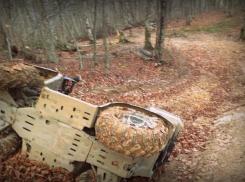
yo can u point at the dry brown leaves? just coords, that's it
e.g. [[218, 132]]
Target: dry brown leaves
[[19, 168], [193, 138]]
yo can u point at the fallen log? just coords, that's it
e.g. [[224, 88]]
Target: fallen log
[[19, 76]]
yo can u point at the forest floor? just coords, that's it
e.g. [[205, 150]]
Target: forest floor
[[203, 83]]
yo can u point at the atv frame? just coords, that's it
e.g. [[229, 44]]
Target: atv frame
[[59, 130]]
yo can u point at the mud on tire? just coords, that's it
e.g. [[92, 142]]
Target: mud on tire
[[131, 132]]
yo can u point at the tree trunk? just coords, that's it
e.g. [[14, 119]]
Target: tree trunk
[[62, 25], [193, 9], [231, 7], [76, 31], [188, 12], [90, 35], [104, 26], [160, 30], [77, 47], [148, 45], [225, 3], [9, 49], [50, 51], [118, 6], [129, 22], [242, 35], [95, 21], [3, 33], [33, 18]]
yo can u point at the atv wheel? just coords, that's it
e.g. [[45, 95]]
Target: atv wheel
[[131, 132]]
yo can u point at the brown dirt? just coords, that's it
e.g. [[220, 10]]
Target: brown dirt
[[222, 60], [223, 157]]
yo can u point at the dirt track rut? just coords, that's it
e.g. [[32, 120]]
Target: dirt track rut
[[224, 156]]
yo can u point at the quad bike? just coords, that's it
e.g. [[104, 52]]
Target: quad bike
[[117, 140]]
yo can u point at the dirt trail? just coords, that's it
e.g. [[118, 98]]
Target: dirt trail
[[223, 158], [206, 89], [206, 86], [203, 82]]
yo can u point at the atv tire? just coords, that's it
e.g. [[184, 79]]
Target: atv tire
[[127, 138]]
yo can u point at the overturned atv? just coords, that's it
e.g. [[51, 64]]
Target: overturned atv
[[116, 140]]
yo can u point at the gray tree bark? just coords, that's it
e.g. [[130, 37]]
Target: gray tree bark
[[188, 8], [147, 45], [3, 33], [104, 25], [160, 30], [89, 30], [242, 35], [33, 18], [50, 51], [77, 47], [62, 24], [9, 49], [129, 21], [95, 41], [231, 7]]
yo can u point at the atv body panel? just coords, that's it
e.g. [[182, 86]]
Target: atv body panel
[[60, 131]]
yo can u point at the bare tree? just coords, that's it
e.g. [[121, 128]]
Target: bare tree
[[188, 9], [5, 30], [225, 3], [104, 27], [242, 35], [62, 23], [193, 9], [3, 33], [77, 47], [129, 21], [118, 8], [231, 7], [94, 32], [50, 50], [147, 44], [162, 4], [40, 23], [90, 35], [33, 18]]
